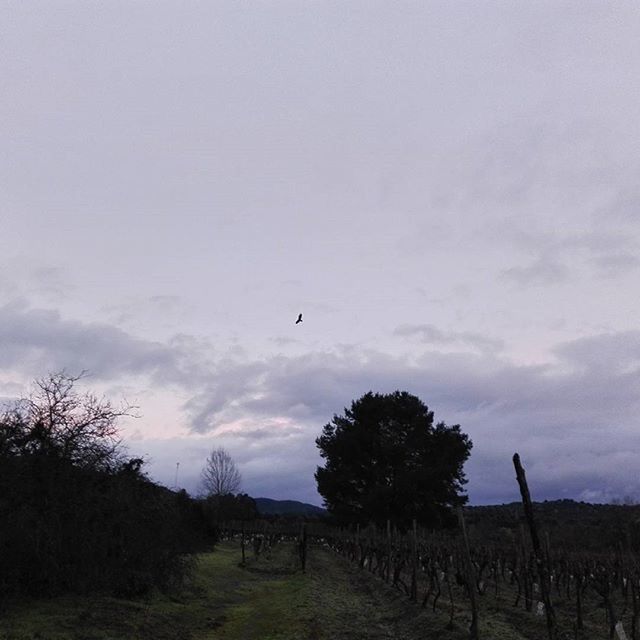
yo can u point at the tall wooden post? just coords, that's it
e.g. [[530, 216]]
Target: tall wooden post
[[527, 582], [470, 578], [303, 547], [537, 550], [388, 568], [242, 544], [414, 562]]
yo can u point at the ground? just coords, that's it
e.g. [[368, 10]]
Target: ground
[[268, 599]]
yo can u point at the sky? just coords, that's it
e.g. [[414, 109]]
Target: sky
[[448, 191]]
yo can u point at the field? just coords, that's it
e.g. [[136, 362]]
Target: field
[[268, 599]]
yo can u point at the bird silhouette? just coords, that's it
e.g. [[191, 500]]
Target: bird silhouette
[[299, 320]]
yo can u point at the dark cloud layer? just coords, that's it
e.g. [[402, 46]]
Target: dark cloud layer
[[570, 420], [573, 420], [39, 340]]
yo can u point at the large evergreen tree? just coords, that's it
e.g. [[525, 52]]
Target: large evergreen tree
[[385, 459]]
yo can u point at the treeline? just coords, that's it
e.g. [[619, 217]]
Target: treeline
[[76, 514], [571, 525]]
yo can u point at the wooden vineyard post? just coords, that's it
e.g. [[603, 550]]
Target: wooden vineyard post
[[579, 581], [303, 547], [547, 548], [471, 583], [388, 568], [636, 609], [242, 543], [541, 564], [527, 582], [414, 563]]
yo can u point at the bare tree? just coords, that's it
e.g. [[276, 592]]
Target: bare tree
[[56, 420], [220, 475]]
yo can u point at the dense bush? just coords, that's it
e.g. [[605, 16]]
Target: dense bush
[[75, 513]]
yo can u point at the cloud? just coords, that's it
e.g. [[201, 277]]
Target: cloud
[[606, 254], [572, 419], [622, 205], [591, 374], [541, 272], [613, 265], [606, 354], [40, 340], [555, 415], [305, 387], [430, 334], [133, 310], [284, 341], [268, 468], [29, 278]]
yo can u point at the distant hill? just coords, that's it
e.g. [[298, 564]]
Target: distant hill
[[269, 507]]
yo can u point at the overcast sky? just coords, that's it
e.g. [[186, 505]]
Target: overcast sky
[[448, 191]]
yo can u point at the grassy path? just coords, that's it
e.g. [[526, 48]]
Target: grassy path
[[269, 599]]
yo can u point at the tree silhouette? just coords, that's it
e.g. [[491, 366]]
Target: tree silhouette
[[58, 421], [220, 475], [385, 459]]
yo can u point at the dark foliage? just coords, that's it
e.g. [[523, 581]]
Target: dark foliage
[[223, 508], [75, 513], [570, 525], [385, 459]]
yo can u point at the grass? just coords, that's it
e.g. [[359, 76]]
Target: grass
[[221, 600], [270, 599]]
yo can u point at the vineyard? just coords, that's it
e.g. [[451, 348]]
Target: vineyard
[[540, 591], [509, 572]]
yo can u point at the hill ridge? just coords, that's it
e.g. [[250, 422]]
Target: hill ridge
[[271, 506]]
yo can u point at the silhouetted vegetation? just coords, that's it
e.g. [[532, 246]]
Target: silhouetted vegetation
[[220, 475], [571, 525], [222, 508], [75, 513], [386, 460]]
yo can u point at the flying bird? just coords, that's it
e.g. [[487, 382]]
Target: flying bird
[[299, 320]]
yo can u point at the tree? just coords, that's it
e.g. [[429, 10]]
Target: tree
[[57, 421], [220, 475], [385, 459]]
